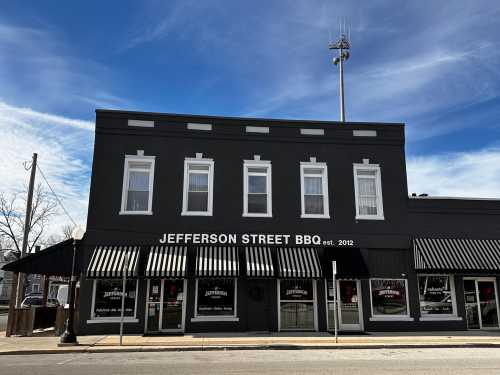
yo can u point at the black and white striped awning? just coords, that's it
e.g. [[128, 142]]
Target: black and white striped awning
[[299, 262], [456, 254], [259, 262], [167, 261], [217, 261], [109, 262]]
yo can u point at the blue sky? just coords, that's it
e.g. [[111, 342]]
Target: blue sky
[[432, 65]]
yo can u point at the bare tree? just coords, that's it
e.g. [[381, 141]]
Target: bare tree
[[66, 233], [12, 218]]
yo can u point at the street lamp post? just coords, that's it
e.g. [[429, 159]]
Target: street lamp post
[[69, 337]]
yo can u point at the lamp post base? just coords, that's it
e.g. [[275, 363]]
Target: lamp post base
[[68, 338]]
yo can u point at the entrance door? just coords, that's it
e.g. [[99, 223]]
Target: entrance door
[[481, 304], [349, 305], [165, 305], [258, 305]]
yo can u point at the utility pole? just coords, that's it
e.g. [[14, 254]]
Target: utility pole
[[27, 224], [17, 288], [343, 45]]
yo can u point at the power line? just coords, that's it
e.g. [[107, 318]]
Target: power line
[[55, 195]]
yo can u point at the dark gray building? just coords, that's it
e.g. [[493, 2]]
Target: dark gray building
[[232, 224]]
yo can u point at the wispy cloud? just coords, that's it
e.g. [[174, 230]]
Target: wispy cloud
[[466, 174], [63, 146]]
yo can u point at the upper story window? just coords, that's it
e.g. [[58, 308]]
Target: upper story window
[[198, 186], [257, 197], [138, 176], [368, 191], [314, 190]]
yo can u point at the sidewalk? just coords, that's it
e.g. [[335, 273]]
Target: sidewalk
[[248, 341]]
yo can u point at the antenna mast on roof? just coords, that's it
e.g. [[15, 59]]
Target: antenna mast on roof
[[343, 45]]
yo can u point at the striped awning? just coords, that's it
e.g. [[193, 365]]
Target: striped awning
[[217, 261], [109, 262], [298, 262], [259, 262], [167, 261], [456, 254]]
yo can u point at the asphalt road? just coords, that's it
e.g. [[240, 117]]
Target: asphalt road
[[350, 361]]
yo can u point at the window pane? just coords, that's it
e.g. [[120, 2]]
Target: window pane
[[139, 165], [366, 172], [138, 181], [435, 295], [313, 204], [137, 200], [257, 184], [257, 170], [297, 315], [313, 185], [367, 205], [197, 201], [198, 182], [389, 297], [108, 298], [257, 203], [367, 186], [198, 167], [296, 290], [215, 297], [313, 171]]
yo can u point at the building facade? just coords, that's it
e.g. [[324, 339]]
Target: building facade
[[232, 224]]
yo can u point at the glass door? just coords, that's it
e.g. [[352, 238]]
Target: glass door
[[349, 305], [165, 305], [488, 309], [481, 305]]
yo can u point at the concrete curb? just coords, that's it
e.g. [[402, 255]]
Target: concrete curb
[[146, 349]]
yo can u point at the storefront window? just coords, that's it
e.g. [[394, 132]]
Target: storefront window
[[435, 292], [389, 297], [108, 298], [216, 297], [296, 304]]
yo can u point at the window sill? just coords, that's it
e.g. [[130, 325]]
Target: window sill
[[201, 213], [435, 318], [257, 215], [392, 318], [306, 216], [369, 218], [215, 319], [113, 320], [135, 213]]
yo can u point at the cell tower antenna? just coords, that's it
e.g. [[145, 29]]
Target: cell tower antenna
[[343, 45]]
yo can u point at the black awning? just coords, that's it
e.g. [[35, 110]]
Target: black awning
[[167, 262], [456, 254], [55, 260], [350, 263], [215, 261], [110, 262], [259, 262], [299, 262]]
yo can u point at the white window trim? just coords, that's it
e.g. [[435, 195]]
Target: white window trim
[[126, 169], [198, 161], [434, 317], [395, 317], [126, 319], [257, 163], [314, 301], [324, 183], [216, 318], [378, 183]]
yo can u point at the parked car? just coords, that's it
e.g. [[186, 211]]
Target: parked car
[[37, 300]]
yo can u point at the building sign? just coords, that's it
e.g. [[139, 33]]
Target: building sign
[[291, 290], [254, 239]]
